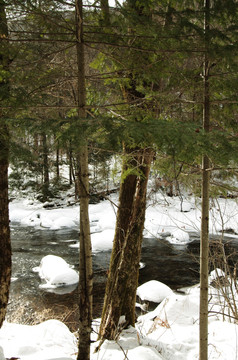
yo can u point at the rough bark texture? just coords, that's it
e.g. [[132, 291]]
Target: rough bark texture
[[123, 274], [85, 253], [204, 242], [5, 245]]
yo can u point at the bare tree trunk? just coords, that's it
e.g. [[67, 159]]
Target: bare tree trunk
[[204, 242], [85, 252], [120, 295], [46, 179], [57, 169], [5, 244]]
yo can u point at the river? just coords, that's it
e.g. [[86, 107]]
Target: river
[[176, 266]]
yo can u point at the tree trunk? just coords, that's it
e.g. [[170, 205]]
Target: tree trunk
[[204, 242], [71, 166], [46, 179], [120, 295], [105, 12], [57, 169], [85, 252], [5, 244]]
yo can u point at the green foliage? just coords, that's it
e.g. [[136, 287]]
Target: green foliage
[[144, 80]]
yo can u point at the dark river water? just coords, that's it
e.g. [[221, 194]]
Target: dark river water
[[176, 266]]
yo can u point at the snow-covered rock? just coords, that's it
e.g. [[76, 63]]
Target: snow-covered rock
[[62, 222], [56, 272], [102, 241], [179, 237], [154, 291]]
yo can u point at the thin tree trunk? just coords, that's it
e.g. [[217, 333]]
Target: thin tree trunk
[[71, 166], [85, 252], [57, 179], [46, 179], [5, 244], [204, 242]]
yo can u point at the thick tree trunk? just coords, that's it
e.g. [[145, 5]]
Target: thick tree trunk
[[123, 275], [85, 255], [122, 281], [5, 245], [204, 242]]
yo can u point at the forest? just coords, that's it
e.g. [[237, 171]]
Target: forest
[[122, 105]]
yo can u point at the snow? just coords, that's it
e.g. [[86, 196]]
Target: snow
[[171, 331], [56, 272], [179, 237], [162, 215], [153, 291], [1, 354], [48, 340], [216, 273]]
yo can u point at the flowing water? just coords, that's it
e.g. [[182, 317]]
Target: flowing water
[[175, 265]]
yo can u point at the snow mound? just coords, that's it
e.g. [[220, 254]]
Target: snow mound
[[56, 272], [144, 353], [178, 237], [62, 222], [216, 274], [176, 309], [48, 340], [153, 291], [102, 241]]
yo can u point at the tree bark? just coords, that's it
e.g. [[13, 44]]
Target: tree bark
[[85, 252], [5, 244], [46, 179], [105, 12], [120, 295], [204, 241], [57, 168]]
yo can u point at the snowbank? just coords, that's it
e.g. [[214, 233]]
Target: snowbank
[[154, 291], [163, 214], [170, 332], [46, 341], [56, 272]]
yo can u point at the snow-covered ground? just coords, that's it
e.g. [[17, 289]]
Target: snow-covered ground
[[171, 331]]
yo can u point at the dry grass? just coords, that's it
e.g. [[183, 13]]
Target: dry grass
[[23, 314]]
